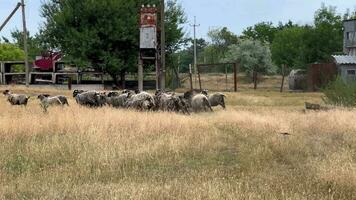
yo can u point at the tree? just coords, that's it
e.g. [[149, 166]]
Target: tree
[[221, 39], [104, 34], [186, 56], [327, 36], [287, 50], [33, 43], [253, 56], [263, 32], [10, 52]]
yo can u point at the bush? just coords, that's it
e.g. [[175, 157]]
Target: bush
[[340, 93]]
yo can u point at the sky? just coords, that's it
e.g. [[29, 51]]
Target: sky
[[234, 14]]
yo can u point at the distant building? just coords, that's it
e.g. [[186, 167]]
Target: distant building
[[350, 37], [346, 64]]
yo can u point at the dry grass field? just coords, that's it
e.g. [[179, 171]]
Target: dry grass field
[[80, 153]]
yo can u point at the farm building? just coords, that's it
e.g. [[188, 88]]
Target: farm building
[[346, 64]]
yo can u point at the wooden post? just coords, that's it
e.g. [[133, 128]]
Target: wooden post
[[199, 78], [140, 74], [226, 78], [235, 77], [191, 76], [163, 49], [69, 83], [25, 42], [283, 75]]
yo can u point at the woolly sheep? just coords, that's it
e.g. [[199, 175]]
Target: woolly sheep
[[90, 98], [170, 102], [49, 101], [141, 101], [200, 102], [63, 99], [217, 99], [118, 101], [16, 99]]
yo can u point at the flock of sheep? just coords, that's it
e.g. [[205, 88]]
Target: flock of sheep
[[190, 101]]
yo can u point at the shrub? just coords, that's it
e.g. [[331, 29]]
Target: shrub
[[340, 93]]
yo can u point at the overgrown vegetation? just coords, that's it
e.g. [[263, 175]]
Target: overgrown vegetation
[[340, 93]]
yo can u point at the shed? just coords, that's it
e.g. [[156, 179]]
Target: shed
[[346, 66]]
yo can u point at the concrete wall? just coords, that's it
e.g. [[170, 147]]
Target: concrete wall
[[350, 44], [343, 72]]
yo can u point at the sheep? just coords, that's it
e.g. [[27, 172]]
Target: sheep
[[200, 102], [140, 101], [217, 99], [170, 102], [63, 99], [16, 99], [118, 101], [49, 101], [90, 98], [188, 96], [76, 92]]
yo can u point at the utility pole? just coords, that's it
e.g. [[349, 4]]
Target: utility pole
[[163, 49], [195, 25], [25, 42]]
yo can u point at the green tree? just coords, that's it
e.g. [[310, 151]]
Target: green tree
[[104, 34], [263, 32], [186, 56], [327, 36], [33, 43], [10, 52], [287, 50], [221, 39], [253, 56]]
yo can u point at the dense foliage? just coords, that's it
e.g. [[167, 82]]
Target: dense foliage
[[253, 57], [104, 34], [10, 52]]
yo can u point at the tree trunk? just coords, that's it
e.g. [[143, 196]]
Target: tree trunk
[[283, 75], [114, 78], [122, 79], [176, 72], [254, 80]]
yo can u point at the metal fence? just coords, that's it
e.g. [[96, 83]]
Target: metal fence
[[217, 77]]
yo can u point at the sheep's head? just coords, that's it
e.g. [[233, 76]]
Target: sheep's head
[[205, 92], [41, 97], [113, 94], [76, 92], [6, 92]]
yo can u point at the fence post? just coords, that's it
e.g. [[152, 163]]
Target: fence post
[[69, 83], [190, 76], [235, 77], [199, 77]]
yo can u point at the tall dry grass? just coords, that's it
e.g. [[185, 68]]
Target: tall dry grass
[[80, 153]]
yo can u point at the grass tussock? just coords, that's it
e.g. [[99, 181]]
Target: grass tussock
[[80, 153]]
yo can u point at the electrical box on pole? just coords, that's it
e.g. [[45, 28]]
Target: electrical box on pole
[[148, 42]]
